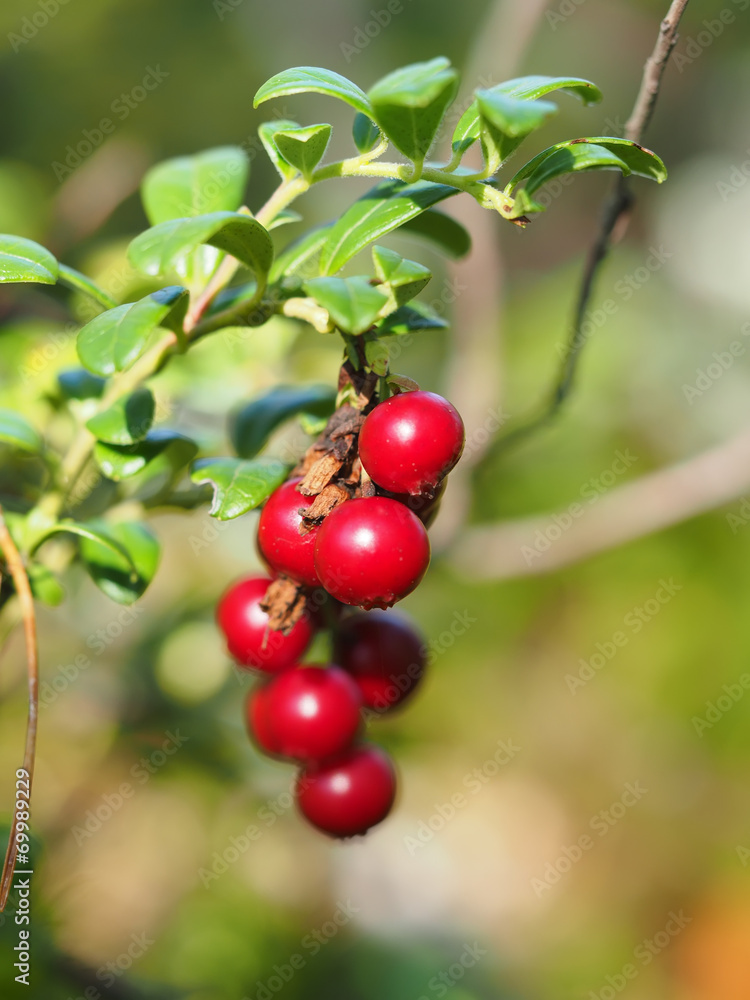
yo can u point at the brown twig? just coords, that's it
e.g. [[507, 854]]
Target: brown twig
[[615, 217], [17, 570]]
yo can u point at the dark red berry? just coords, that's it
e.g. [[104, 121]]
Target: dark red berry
[[307, 713], [256, 714], [425, 506], [410, 442], [347, 796], [371, 552], [279, 539], [245, 628], [384, 655]]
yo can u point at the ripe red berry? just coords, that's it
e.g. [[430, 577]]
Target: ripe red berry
[[307, 713], [245, 628], [384, 655], [424, 506], [279, 539], [347, 796], [371, 552], [410, 442], [258, 725]]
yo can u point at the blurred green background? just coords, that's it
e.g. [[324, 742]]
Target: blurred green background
[[490, 897]]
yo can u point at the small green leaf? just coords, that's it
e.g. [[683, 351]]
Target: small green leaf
[[88, 531], [365, 133], [128, 421], [284, 218], [24, 260], [158, 249], [123, 461], [404, 279], [303, 148], [413, 318], [239, 485], [44, 585], [409, 104], [505, 122], [211, 181], [77, 383], [298, 256], [377, 356], [252, 426], [383, 209], [267, 131], [115, 339], [121, 579], [312, 79], [442, 230], [16, 431], [352, 303]]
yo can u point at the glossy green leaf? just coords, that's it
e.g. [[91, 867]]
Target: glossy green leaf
[[416, 317], [442, 230], [252, 425], [298, 257], [44, 584], [128, 421], [284, 218], [403, 279], [312, 79], [16, 431], [158, 249], [377, 355], [123, 461], [383, 209], [504, 122], [25, 260], [115, 339], [409, 104], [211, 181], [81, 283], [77, 383], [365, 133], [121, 579], [303, 148], [239, 484], [352, 303], [266, 132], [88, 531]]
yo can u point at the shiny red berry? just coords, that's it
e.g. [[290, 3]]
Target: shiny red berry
[[279, 539], [306, 713], [384, 655], [245, 628], [371, 552], [258, 725], [347, 796], [411, 441]]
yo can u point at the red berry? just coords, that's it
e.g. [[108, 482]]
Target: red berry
[[347, 796], [411, 441], [371, 552], [307, 713], [384, 654], [256, 713], [245, 628], [279, 539], [426, 507]]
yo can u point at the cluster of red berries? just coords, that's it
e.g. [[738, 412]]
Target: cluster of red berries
[[369, 552]]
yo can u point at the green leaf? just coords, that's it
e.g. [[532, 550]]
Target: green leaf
[[440, 229], [409, 104], [312, 79], [121, 579], [88, 531], [267, 131], [77, 383], [252, 426], [299, 254], [44, 584], [77, 282], [211, 181], [404, 279], [303, 148], [383, 209], [24, 260], [123, 461], [115, 339], [284, 218], [377, 356], [128, 421], [239, 485], [17, 432], [505, 122], [413, 318], [352, 303], [160, 248], [528, 88], [365, 133]]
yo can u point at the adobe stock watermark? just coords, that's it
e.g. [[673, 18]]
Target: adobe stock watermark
[[224, 7], [714, 28], [740, 518], [591, 492], [633, 623], [743, 853], [32, 24], [739, 174], [716, 710], [562, 12], [600, 824], [442, 984], [643, 956], [473, 782], [364, 34], [707, 377], [121, 108]]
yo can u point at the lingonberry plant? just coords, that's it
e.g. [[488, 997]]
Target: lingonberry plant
[[342, 525]]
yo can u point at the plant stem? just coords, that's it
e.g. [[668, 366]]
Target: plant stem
[[71, 278]]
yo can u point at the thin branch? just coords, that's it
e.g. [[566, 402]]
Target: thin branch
[[614, 222], [17, 571], [540, 544]]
